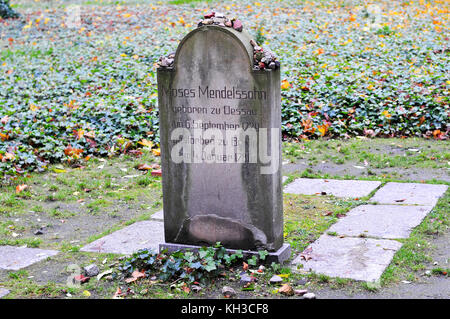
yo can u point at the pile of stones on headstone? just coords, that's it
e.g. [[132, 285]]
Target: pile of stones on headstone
[[221, 20], [262, 58], [166, 61]]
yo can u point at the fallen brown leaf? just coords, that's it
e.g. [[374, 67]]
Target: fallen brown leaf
[[144, 167], [135, 276], [20, 188], [156, 173]]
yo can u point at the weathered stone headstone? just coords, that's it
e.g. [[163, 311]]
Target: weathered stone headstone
[[220, 134]]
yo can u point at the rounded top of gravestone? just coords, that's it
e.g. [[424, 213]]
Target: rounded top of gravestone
[[213, 31], [214, 34]]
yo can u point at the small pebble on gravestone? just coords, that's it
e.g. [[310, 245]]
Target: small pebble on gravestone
[[91, 270], [237, 25]]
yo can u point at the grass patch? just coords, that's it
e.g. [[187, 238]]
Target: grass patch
[[376, 153], [414, 255], [308, 217]]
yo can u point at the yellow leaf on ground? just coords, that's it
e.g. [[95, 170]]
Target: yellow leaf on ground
[[323, 129], [386, 113], [285, 85], [8, 156], [80, 133], [20, 188], [4, 137], [146, 143], [156, 152]]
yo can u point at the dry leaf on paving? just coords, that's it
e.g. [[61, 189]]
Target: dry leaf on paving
[[306, 254]]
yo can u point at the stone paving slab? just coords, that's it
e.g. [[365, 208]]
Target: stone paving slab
[[140, 235], [338, 188], [409, 193], [3, 292], [158, 215], [15, 258], [362, 259], [381, 221]]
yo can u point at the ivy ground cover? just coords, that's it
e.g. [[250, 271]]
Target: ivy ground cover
[[78, 78]]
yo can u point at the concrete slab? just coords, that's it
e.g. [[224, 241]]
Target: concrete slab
[[409, 193], [158, 215], [362, 259], [338, 188], [381, 221], [15, 258], [140, 235], [3, 292]]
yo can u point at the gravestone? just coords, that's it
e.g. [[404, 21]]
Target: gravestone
[[220, 121]]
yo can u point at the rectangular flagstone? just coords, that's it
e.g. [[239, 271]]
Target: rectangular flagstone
[[409, 193], [362, 259], [141, 235], [3, 292], [381, 221], [15, 258], [158, 215], [338, 188]]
